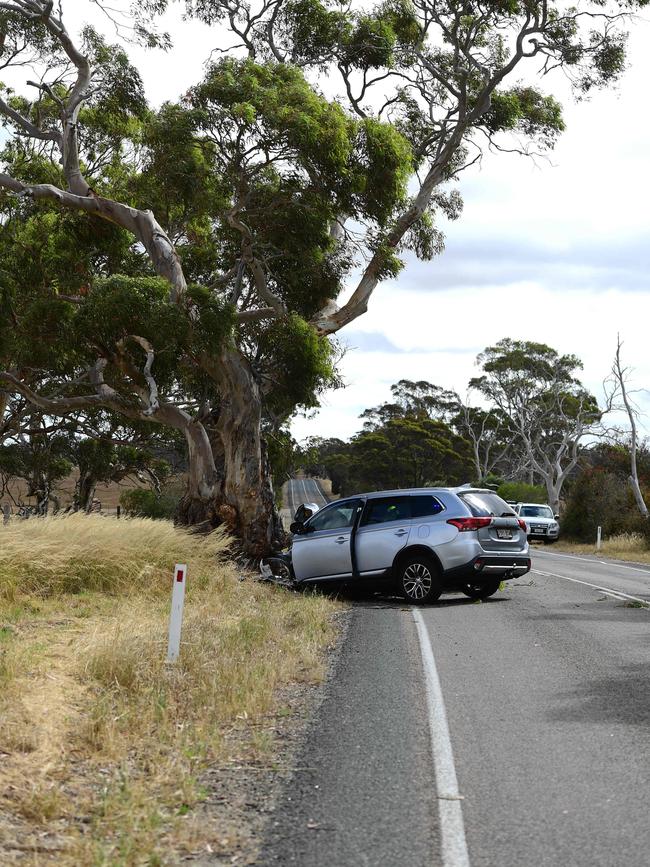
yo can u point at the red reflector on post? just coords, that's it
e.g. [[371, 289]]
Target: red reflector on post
[[463, 525], [180, 575]]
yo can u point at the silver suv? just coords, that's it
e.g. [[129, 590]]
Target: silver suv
[[426, 540], [541, 523]]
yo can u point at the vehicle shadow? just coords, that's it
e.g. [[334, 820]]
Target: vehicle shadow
[[385, 599]]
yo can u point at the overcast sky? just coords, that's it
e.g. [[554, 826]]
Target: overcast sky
[[557, 253]]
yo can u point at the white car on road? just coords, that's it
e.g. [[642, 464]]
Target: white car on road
[[541, 523]]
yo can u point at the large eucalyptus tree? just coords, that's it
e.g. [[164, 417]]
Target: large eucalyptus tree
[[547, 410], [217, 232]]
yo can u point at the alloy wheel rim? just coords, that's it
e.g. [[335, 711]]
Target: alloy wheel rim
[[417, 581]]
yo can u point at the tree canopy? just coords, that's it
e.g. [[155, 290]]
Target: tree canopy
[[182, 265]]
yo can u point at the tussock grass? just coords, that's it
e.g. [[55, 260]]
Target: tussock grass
[[86, 698], [79, 552], [624, 546]]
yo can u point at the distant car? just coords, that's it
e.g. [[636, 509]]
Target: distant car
[[425, 541], [541, 523]]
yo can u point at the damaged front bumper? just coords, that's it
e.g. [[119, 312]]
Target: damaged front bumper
[[277, 569]]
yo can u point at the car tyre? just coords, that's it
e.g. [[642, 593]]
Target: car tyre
[[418, 579], [550, 541], [481, 591]]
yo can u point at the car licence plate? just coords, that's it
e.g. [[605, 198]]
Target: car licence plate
[[504, 534]]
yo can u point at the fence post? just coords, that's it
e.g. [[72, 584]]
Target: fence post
[[598, 539], [6, 513], [176, 616]]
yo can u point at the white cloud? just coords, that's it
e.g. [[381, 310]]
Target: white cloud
[[437, 336]]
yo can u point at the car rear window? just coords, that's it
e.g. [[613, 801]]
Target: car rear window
[[424, 506], [483, 504]]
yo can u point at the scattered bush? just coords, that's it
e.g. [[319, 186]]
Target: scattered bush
[[521, 492], [145, 503], [599, 498]]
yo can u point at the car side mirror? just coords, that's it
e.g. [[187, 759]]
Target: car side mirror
[[297, 527], [303, 512]]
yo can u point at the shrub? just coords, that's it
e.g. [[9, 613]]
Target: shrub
[[599, 498], [521, 492], [144, 503]]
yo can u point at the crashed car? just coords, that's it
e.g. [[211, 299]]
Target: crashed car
[[423, 542]]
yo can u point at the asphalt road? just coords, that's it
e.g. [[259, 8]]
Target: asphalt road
[[304, 491], [545, 693]]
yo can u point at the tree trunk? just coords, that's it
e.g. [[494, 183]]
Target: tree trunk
[[248, 504], [199, 506], [553, 492], [84, 491]]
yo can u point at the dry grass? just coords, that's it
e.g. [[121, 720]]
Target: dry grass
[[625, 546], [113, 741], [89, 552]]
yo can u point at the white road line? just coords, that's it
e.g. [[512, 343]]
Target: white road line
[[316, 492], [593, 560], [452, 828], [611, 592]]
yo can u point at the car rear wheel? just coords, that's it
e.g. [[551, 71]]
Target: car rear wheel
[[481, 591], [418, 579]]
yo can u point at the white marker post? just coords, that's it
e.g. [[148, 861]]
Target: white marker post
[[598, 538], [176, 616]]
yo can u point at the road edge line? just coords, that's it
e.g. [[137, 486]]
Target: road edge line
[[617, 564], [452, 827], [619, 594]]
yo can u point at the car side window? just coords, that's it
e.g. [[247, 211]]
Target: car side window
[[425, 506], [384, 509], [335, 517]]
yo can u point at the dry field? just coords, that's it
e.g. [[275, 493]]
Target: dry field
[[105, 752], [626, 546], [107, 492]]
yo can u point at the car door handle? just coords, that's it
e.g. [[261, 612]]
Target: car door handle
[[341, 540], [401, 532]]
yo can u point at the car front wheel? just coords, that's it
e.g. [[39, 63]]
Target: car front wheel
[[418, 580], [481, 591]]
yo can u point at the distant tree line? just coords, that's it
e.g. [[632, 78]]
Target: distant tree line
[[523, 423]]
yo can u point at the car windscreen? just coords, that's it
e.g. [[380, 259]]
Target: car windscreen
[[484, 503], [536, 512]]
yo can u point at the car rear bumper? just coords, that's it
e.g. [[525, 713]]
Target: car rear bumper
[[487, 568]]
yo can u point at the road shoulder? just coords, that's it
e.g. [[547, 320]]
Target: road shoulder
[[363, 790]]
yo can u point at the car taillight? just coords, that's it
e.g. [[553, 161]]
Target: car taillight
[[463, 525], [522, 524]]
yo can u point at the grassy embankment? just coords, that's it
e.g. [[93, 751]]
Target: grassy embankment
[[625, 546], [102, 746]]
